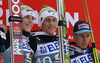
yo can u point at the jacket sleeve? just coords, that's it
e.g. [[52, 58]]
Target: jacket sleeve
[[32, 43], [4, 40]]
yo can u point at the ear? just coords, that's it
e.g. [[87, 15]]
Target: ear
[[74, 35]]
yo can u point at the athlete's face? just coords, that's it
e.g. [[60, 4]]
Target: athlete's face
[[82, 39], [27, 23], [49, 25]]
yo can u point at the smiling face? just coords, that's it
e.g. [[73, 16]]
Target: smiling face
[[27, 23], [82, 39], [49, 25]]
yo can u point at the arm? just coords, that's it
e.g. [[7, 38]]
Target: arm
[[3, 29], [4, 38], [32, 43]]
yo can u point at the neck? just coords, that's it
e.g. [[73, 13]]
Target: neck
[[26, 33]]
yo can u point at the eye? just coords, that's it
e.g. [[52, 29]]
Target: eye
[[26, 16], [54, 20], [33, 18], [81, 35], [88, 35], [48, 20]]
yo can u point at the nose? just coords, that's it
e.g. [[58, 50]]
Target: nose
[[51, 22], [85, 39], [30, 20]]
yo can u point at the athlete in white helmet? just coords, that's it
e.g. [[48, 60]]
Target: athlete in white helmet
[[27, 24], [47, 44]]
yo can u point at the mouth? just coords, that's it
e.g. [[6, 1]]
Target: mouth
[[84, 44], [52, 28], [28, 25]]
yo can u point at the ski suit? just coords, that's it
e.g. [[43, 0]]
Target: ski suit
[[78, 55], [28, 52], [47, 48]]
